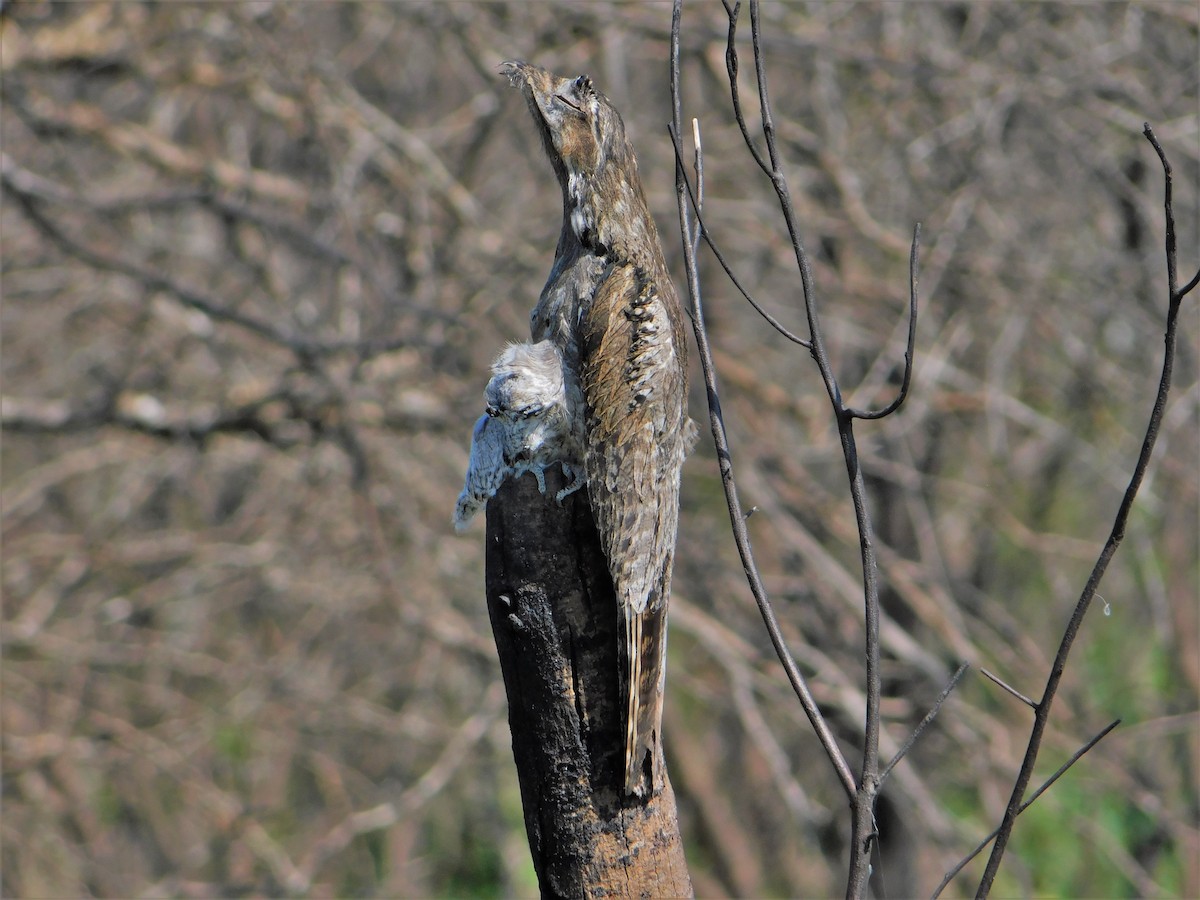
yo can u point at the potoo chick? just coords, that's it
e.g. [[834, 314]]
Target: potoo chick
[[525, 429], [610, 308]]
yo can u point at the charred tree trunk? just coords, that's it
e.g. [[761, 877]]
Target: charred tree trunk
[[554, 617]]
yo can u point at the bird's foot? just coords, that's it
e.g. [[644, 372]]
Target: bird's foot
[[576, 480]]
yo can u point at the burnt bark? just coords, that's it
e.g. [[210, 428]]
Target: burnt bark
[[554, 617]]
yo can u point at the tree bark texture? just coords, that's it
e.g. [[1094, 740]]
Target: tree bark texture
[[554, 617]]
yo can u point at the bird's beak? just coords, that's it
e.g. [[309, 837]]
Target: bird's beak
[[513, 69], [518, 72], [533, 81]]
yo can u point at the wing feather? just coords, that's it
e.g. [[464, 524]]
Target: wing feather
[[632, 380]]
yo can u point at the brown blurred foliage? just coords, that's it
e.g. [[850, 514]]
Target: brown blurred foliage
[[257, 257]]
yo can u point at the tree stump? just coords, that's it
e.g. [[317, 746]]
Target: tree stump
[[554, 617]]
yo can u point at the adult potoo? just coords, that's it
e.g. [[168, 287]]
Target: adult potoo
[[610, 307]]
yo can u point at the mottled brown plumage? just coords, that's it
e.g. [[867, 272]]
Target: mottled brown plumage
[[609, 305]]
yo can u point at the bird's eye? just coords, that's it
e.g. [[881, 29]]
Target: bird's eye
[[569, 103]]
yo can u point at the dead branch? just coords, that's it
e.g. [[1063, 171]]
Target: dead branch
[[1175, 295], [864, 790], [552, 607]]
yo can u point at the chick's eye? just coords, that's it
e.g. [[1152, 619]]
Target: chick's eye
[[569, 103]]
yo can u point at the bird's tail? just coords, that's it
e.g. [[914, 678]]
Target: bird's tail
[[643, 671]]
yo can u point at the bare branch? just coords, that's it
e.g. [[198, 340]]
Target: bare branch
[[1032, 704], [1042, 714], [1176, 293], [863, 837], [1190, 286], [764, 102], [725, 458], [698, 165], [32, 191], [924, 723], [152, 280], [867, 785], [1062, 770], [142, 414], [913, 255], [702, 230], [731, 67]]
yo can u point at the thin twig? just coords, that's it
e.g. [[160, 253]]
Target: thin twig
[[1042, 715], [913, 258], [924, 723], [1000, 682], [1176, 293], [698, 200], [764, 102], [779, 183], [731, 67], [1062, 770], [703, 231]]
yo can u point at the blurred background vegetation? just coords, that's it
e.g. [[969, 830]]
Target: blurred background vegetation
[[257, 257]]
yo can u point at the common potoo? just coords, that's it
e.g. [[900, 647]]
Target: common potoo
[[611, 309], [525, 429]]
